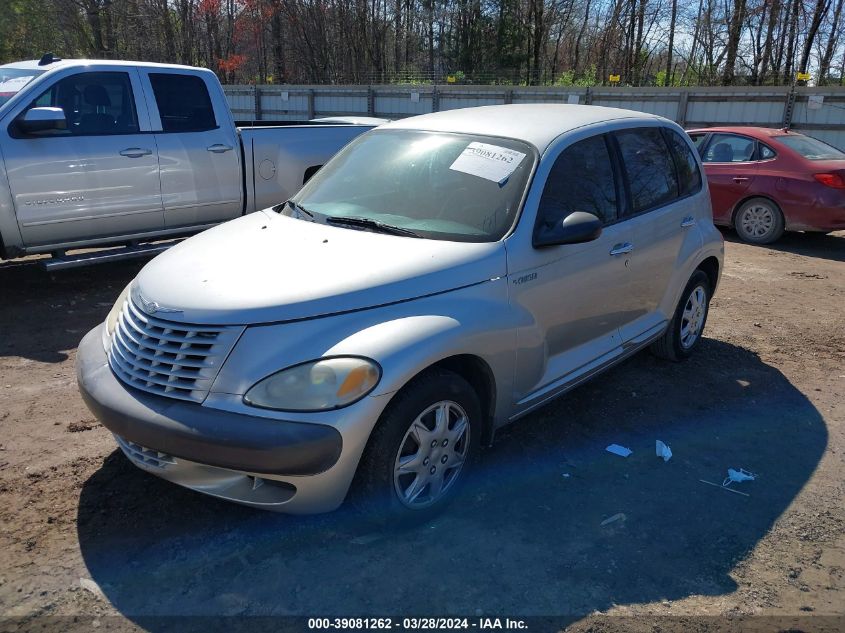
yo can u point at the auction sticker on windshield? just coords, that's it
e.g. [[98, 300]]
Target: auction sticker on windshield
[[492, 162]]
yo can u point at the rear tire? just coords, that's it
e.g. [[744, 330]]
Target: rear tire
[[421, 450], [684, 332], [759, 221]]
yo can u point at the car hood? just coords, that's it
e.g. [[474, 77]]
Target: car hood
[[265, 267]]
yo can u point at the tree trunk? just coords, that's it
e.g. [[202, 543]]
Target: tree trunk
[[767, 46], [734, 34], [827, 56], [667, 80], [821, 8]]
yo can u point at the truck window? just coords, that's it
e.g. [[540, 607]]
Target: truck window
[[183, 103], [94, 104]]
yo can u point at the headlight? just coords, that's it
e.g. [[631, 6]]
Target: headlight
[[318, 385], [117, 308]]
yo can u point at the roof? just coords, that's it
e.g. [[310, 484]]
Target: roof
[[32, 64], [748, 130], [538, 124]]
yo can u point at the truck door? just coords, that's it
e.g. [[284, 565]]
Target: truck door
[[199, 150], [98, 177]]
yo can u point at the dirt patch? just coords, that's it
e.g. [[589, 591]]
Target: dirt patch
[[765, 393]]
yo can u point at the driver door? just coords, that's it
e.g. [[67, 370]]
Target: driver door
[[96, 178], [574, 296]]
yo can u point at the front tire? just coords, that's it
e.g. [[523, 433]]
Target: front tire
[[421, 450], [759, 221], [684, 332]]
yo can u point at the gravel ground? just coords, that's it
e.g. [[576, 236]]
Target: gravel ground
[[88, 541]]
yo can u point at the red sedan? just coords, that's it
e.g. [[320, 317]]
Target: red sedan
[[764, 182]]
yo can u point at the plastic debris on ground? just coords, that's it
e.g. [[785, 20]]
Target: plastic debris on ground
[[619, 450], [616, 517], [738, 475], [663, 451], [733, 476]]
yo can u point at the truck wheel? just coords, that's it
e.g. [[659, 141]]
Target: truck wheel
[[759, 221], [684, 332], [421, 450]]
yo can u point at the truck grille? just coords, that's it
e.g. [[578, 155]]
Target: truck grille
[[177, 360]]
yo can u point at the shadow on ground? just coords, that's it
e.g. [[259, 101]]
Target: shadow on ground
[[66, 304], [817, 245], [523, 539]]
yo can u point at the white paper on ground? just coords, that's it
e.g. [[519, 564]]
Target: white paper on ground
[[663, 451], [491, 162], [619, 450]]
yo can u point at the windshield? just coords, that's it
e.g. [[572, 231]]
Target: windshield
[[13, 79], [811, 148], [457, 187]]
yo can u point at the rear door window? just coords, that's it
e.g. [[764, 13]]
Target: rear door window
[[649, 168], [689, 176], [729, 148], [183, 102]]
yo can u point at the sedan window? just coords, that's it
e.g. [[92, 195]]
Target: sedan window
[[810, 148], [729, 148]]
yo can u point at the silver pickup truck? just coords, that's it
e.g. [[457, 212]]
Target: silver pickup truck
[[96, 153]]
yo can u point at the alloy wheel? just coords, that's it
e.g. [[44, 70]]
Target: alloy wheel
[[431, 455], [693, 316]]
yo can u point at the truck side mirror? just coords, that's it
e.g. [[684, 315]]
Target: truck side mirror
[[575, 228], [42, 120]]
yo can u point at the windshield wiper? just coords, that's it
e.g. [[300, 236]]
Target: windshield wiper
[[373, 225]]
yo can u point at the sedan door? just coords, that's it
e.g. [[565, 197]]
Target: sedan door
[[573, 296], [729, 162], [198, 146], [96, 178]]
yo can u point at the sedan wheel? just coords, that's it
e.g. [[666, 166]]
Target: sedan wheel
[[759, 221]]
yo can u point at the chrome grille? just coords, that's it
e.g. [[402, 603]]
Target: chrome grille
[[168, 358]]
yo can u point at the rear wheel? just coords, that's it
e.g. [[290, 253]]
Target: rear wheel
[[685, 330], [759, 221], [421, 450]]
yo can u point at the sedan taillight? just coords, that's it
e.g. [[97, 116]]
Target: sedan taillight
[[831, 180]]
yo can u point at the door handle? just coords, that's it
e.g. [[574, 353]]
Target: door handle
[[219, 148], [621, 249], [688, 221], [135, 152], [740, 179]]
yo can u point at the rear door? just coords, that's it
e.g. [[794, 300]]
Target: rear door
[[729, 162], [662, 178], [199, 151], [98, 177]]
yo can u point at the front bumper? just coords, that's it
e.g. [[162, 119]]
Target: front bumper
[[229, 455]]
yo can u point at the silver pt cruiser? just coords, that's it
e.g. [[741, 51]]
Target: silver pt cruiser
[[439, 278]]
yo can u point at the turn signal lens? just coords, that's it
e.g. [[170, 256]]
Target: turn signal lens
[[831, 180]]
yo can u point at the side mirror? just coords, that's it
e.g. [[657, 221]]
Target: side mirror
[[42, 120], [575, 228]]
